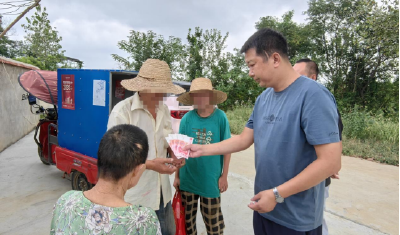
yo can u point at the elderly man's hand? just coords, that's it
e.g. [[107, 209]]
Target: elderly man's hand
[[196, 150], [161, 165], [179, 163]]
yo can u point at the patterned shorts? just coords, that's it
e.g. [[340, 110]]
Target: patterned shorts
[[210, 210]]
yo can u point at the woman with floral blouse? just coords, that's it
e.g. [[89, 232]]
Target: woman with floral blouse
[[102, 210]]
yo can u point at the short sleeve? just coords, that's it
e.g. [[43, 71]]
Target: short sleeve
[[249, 123], [319, 118], [225, 129]]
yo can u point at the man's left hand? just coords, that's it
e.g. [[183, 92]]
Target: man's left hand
[[263, 202], [335, 176]]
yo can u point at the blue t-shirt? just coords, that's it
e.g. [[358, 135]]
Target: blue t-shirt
[[287, 125], [200, 175]]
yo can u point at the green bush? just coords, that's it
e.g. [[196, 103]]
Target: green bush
[[363, 126], [364, 135], [380, 151], [238, 117]]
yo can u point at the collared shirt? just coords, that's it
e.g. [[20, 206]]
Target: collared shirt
[[131, 111]]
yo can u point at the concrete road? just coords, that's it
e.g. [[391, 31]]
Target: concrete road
[[363, 201]]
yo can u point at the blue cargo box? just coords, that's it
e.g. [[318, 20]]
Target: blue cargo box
[[85, 100]]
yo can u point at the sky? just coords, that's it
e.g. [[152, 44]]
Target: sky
[[91, 29]]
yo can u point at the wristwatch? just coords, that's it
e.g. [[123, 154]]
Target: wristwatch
[[278, 197]]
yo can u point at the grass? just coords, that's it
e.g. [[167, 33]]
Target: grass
[[363, 126], [238, 118], [380, 151], [365, 136]]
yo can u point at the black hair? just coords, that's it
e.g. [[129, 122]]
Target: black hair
[[121, 149], [312, 67], [266, 41]]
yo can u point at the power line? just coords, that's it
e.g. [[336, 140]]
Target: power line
[[19, 17], [7, 13], [13, 8], [2, 3], [12, 5]]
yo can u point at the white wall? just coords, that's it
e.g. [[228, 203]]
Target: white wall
[[16, 120]]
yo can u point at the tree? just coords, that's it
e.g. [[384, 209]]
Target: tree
[[297, 35], [357, 45], [43, 40], [33, 61], [9, 48], [205, 51], [195, 59], [227, 71], [233, 79], [4, 41], [142, 46]]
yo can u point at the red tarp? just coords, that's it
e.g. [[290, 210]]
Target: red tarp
[[32, 81]]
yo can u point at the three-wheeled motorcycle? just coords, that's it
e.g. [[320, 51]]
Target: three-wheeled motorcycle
[[69, 132]]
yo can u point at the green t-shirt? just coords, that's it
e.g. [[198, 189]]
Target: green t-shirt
[[200, 175], [75, 214]]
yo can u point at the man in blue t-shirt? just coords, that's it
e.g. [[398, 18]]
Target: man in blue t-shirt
[[294, 128]]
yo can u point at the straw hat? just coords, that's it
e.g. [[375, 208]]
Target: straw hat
[[202, 84], [154, 75]]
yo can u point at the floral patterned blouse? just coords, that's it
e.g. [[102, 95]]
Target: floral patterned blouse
[[75, 214]]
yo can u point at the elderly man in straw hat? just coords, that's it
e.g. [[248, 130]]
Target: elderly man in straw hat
[[204, 178], [145, 110]]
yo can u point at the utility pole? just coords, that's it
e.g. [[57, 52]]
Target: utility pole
[[19, 17]]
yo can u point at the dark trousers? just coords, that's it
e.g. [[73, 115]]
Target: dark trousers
[[166, 217], [263, 226]]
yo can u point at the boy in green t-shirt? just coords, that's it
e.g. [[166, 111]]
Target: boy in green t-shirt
[[204, 177]]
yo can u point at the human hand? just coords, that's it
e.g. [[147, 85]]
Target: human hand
[[196, 150], [335, 176], [179, 163], [223, 183], [161, 165], [263, 202], [177, 183]]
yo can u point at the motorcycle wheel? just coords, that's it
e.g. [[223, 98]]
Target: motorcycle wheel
[[41, 157], [79, 181]]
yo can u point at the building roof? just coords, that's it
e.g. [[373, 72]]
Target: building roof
[[9, 61], [73, 59]]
